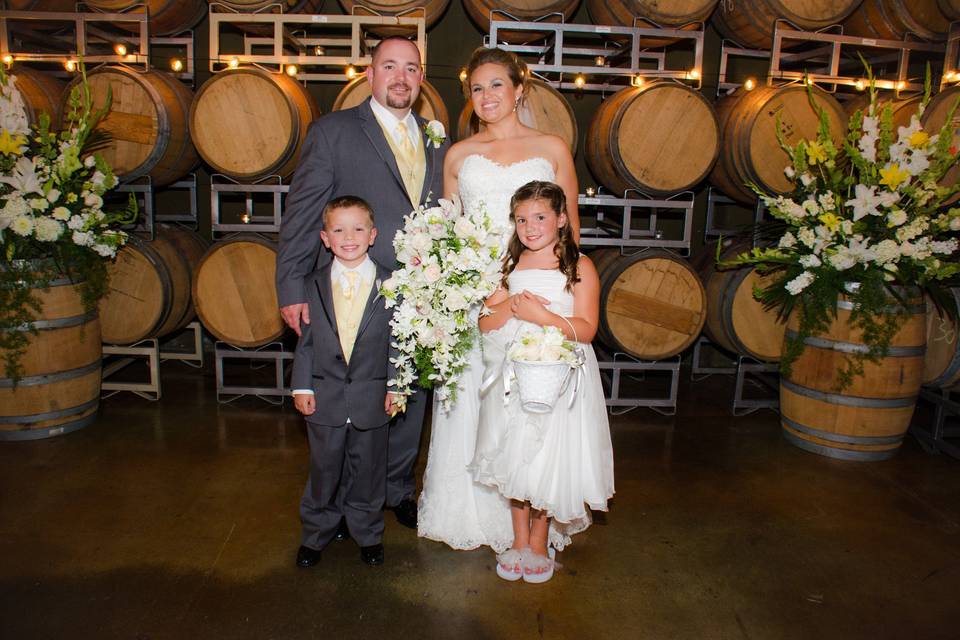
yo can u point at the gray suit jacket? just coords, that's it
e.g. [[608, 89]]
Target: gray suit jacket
[[355, 390], [346, 153]]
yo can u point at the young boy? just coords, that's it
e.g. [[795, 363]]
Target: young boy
[[341, 365]]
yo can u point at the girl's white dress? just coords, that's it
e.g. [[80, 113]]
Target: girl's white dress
[[562, 461]]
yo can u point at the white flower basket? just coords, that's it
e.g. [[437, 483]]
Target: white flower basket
[[541, 384]]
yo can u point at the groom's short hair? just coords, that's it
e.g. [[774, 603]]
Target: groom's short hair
[[346, 202]]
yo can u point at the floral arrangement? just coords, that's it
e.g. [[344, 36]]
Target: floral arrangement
[[449, 265], [52, 217], [865, 220], [546, 344], [436, 134]]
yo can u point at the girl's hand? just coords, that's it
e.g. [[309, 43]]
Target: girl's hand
[[393, 404], [529, 306]]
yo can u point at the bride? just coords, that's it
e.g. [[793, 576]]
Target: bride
[[486, 169]]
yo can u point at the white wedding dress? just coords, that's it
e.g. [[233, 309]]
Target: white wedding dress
[[453, 508]]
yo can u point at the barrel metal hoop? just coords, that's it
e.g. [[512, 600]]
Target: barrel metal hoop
[[59, 323], [837, 437], [38, 434], [840, 454], [852, 347], [52, 415], [847, 305], [848, 401], [47, 378]]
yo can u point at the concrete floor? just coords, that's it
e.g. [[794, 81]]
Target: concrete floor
[[178, 519]]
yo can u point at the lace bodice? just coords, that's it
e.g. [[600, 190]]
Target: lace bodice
[[493, 184], [549, 283]]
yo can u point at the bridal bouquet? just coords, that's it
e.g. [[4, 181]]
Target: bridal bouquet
[[865, 220], [52, 221], [449, 264]]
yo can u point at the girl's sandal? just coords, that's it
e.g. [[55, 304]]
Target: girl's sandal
[[537, 569], [510, 565]]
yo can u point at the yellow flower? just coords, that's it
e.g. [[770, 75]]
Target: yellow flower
[[919, 139], [830, 221], [893, 176], [815, 152], [11, 144]]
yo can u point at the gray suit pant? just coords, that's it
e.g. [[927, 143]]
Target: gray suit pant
[[347, 479], [403, 448]]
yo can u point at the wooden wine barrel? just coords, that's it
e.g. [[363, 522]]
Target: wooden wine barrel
[[430, 10], [941, 364], [429, 104], [147, 122], [42, 93], [646, 14], [933, 119], [523, 10], [736, 320], [41, 5], [149, 293], [868, 419], [894, 19], [167, 17], [192, 246], [543, 108], [248, 123], [652, 304], [288, 6], [950, 9], [720, 175], [235, 294], [751, 151], [902, 109], [660, 138], [751, 23], [60, 388]]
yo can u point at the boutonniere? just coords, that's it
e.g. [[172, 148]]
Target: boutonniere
[[378, 287], [435, 133]]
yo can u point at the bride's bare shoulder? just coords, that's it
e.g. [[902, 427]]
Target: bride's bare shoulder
[[459, 152]]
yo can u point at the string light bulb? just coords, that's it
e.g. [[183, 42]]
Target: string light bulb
[[901, 85], [7, 59], [351, 71], [176, 65], [637, 81], [292, 70], [590, 191], [319, 51], [234, 62], [120, 49], [859, 85], [70, 65], [600, 61], [693, 74], [750, 84], [245, 218], [579, 81]]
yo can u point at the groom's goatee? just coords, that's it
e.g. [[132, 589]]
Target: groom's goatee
[[397, 102]]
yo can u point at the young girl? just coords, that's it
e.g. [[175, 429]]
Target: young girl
[[553, 465]]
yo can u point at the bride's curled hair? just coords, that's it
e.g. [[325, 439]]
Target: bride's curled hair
[[515, 67], [566, 250]]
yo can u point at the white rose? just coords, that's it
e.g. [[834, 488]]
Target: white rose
[[93, 200], [53, 195], [464, 228], [455, 300], [89, 162], [432, 273]]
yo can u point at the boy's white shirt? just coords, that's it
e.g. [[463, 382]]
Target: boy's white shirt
[[368, 273]]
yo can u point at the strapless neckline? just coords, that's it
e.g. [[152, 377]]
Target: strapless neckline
[[509, 165]]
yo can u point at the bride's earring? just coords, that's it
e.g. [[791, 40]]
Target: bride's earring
[[516, 105]]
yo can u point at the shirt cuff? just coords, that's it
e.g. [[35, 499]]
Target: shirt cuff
[[296, 392]]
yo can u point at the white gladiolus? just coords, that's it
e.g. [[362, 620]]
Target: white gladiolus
[[83, 238], [800, 283], [809, 261], [787, 241]]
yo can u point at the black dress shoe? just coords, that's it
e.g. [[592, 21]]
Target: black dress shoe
[[307, 557], [372, 555], [343, 533], [406, 513]]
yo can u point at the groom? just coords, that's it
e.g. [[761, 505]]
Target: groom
[[380, 152]]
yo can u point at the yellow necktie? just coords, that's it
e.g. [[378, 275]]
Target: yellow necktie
[[352, 277], [408, 153]]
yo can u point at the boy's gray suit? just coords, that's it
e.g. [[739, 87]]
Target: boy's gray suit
[[347, 461], [346, 153]]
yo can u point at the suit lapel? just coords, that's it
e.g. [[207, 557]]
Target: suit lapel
[[382, 274], [325, 289], [371, 127], [430, 153]]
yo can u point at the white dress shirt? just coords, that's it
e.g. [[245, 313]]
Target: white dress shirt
[[389, 122]]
